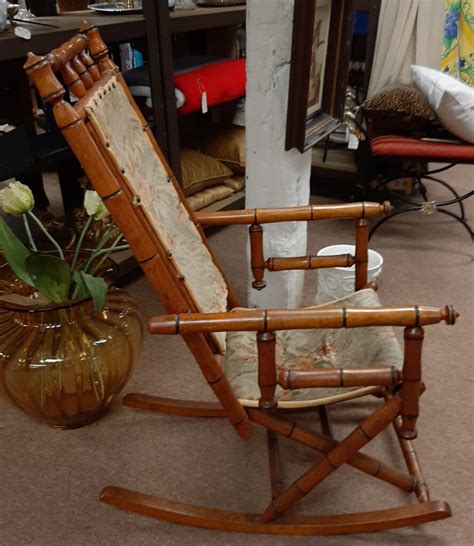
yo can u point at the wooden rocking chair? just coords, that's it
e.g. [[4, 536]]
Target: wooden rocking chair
[[347, 347]]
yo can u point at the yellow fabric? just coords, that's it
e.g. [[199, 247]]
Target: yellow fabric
[[458, 44], [199, 171], [228, 147], [208, 196], [237, 183]]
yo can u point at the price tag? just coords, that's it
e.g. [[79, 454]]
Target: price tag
[[353, 142], [202, 89], [22, 33], [204, 103]]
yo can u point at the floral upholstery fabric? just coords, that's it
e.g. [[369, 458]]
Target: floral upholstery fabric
[[458, 43], [130, 148], [312, 349]]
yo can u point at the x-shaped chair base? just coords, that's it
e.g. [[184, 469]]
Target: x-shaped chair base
[[335, 454]]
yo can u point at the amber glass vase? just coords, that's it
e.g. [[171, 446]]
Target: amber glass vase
[[67, 363]]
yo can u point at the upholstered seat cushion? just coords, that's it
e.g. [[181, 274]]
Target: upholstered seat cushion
[[312, 349], [390, 146]]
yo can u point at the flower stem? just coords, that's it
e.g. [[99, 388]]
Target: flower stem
[[111, 249], [79, 243], [105, 251], [48, 235], [98, 249], [28, 232]]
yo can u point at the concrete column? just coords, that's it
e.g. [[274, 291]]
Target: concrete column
[[275, 178]]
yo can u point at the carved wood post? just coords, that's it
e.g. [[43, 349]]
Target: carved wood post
[[361, 253], [257, 259], [411, 385]]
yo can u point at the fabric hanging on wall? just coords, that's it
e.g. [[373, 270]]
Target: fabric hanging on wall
[[458, 43], [409, 32]]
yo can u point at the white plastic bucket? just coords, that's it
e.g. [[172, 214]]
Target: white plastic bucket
[[337, 282]]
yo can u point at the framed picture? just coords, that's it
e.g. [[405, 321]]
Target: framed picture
[[322, 39]]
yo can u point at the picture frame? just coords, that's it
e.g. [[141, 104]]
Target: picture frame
[[320, 54]]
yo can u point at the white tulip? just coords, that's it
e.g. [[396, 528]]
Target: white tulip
[[95, 206], [16, 199]]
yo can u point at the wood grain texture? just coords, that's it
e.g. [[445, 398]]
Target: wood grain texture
[[207, 518], [287, 319]]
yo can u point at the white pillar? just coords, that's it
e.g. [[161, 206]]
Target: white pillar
[[275, 178]]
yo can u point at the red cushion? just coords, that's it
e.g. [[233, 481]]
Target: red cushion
[[222, 82], [400, 146]]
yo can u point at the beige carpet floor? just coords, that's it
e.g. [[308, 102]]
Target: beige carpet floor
[[50, 480]]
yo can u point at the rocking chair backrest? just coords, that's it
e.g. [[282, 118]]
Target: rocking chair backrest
[[119, 154], [123, 139], [122, 134]]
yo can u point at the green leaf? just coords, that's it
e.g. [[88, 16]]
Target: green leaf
[[80, 290], [97, 288], [15, 252], [50, 275]]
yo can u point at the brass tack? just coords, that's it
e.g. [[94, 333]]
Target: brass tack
[[122, 170], [182, 278], [169, 254]]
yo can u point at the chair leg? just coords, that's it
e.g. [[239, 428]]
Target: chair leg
[[323, 444], [337, 453], [275, 463], [412, 462], [325, 421], [333, 459]]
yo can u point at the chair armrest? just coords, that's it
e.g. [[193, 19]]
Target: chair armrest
[[293, 214], [263, 320]]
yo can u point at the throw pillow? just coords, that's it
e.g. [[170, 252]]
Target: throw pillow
[[200, 171], [229, 148], [452, 100], [209, 196], [399, 107]]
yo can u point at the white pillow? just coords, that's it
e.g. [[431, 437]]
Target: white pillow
[[452, 100]]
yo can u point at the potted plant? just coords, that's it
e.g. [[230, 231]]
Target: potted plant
[[68, 340]]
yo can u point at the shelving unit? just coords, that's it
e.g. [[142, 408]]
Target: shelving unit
[[162, 25], [202, 18]]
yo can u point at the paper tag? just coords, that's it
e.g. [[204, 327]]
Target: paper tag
[[204, 108], [204, 103], [23, 33], [353, 142]]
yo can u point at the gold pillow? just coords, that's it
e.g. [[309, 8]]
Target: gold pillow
[[207, 197], [199, 171], [229, 148], [237, 183]]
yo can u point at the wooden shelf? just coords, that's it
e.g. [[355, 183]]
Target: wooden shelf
[[113, 28], [201, 18]]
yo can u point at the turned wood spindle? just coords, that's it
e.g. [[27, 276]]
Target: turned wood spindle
[[73, 81], [82, 72], [333, 459], [324, 443], [267, 377], [411, 386], [361, 253], [89, 63], [257, 259]]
